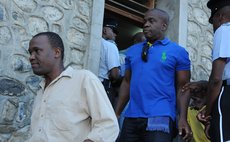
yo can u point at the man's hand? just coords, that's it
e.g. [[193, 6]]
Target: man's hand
[[184, 130], [195, 87], [206, 130], [118, 116], [201, 116], [205, 120]]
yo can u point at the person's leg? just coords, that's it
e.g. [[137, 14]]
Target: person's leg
[[214, 130], [109, 91], [157, 136], [225, 107], [130, 130]]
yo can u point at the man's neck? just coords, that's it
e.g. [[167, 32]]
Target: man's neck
[[152, 41], [53, 75]]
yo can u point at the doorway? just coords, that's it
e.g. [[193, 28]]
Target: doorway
[[129, 15]]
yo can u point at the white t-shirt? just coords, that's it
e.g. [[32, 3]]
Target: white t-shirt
[[221, 47]]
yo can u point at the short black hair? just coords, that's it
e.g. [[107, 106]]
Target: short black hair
[[54, 39]]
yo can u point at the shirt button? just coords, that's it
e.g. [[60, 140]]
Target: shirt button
[[44, 101], [40, 130], [42, 115]]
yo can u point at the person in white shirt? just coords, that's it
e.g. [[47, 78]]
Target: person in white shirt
[[216, 116], [109, 67]]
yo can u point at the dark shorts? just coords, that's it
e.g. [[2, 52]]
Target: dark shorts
[[220, 122]]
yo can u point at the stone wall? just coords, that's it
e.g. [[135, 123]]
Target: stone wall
[[79, 23], [199, 39], [172, 8], [15, 109], [190, 28]]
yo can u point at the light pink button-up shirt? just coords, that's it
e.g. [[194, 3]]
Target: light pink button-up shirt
[[72, 108]]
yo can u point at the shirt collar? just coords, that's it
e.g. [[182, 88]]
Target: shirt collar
[[68, 72], [164, 41]]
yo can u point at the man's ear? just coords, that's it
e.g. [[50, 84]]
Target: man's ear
[[104, 30], [58, 52], [221, 18], [164, 27]]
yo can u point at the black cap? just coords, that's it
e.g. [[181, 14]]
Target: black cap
[[215, 5], [112, 23]]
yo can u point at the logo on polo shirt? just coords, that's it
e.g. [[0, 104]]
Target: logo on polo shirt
[[163, 56]]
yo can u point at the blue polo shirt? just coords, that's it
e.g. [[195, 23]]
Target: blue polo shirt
[[152, 86]]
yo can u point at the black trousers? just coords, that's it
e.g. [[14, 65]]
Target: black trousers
[[220, 122], [134, 130], [111, 92]]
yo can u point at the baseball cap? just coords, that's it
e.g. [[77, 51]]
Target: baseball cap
[[111, 23]]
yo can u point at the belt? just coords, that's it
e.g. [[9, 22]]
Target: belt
[[226, 82]]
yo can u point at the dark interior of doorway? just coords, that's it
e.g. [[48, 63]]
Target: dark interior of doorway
[[129, 14], [126, 27]]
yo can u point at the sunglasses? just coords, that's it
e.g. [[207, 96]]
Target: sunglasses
[[145, 51]]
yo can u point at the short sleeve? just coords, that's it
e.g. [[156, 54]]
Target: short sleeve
[[183, 62], [221, 44], [112, 56]]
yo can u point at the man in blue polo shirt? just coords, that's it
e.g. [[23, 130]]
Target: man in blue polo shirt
[[156, 70]]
